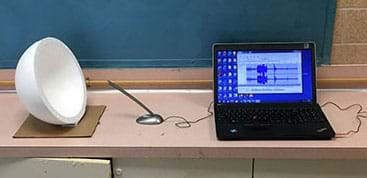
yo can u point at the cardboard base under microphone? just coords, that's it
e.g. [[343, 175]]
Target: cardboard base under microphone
[[34, 128]]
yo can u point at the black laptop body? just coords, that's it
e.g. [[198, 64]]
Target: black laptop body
[[267, 91]]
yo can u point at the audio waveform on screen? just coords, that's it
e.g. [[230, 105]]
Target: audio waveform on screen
[[262, 74], [263, 68]]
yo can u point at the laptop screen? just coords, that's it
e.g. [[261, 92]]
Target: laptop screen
[[264, 76]]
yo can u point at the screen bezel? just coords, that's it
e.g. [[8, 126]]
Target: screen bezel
[[264, 46]]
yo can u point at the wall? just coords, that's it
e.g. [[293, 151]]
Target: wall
[[350, 33], [172, 33]]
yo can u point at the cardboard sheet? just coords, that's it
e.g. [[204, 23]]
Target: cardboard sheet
[[34, 128]]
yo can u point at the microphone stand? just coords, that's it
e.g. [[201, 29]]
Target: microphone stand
[[147, 119]]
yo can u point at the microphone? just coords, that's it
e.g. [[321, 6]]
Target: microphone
[[147, 119]]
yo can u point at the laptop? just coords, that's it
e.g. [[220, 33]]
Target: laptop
[[267, 92]]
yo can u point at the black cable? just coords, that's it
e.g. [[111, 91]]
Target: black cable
[[352, 131], [363, 112], [358, 117], [346, 108], [186, 123]]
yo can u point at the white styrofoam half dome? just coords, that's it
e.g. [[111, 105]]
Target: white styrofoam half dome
[[50, 83]]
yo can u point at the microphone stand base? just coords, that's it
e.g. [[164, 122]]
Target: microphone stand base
[[150, 119]]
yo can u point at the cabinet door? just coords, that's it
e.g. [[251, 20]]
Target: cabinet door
[[54, 168], [310, 168], [182, 168]]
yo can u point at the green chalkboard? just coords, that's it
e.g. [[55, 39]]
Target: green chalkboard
[[165, 33]]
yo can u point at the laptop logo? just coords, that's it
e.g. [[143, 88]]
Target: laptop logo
[[233, 131], [321, 130]]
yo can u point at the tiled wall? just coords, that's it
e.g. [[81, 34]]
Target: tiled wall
[[350, 33]]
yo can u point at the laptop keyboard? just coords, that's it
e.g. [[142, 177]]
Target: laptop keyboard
[[269, 116]]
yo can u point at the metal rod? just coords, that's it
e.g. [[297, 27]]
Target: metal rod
[[129, 95]]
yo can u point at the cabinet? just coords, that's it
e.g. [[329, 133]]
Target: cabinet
[[54, 168], [310, 168], [182, 168]]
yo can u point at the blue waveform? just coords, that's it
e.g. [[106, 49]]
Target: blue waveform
[[264, 79], [262, 72], [264, 68]]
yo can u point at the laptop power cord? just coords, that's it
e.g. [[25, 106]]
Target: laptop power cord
[[359, 115], [186, 123]]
